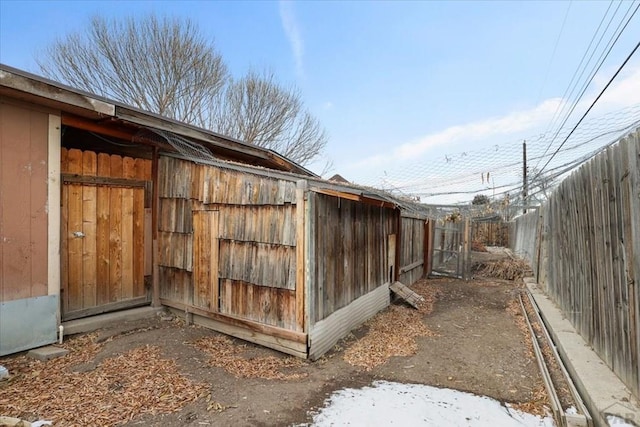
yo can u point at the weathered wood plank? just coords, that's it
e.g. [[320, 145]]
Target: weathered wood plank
[[75, 247], [127, 239], [115, 233], [268, 306], [300, 288], [139, 230], [103, 231], [406, 294], [89, 228], [258, 263], [205, 260]]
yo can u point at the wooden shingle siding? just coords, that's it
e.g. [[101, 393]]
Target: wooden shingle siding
[[260, 264], [260, 224], [270, 306], [254, 242], [182, 179], [176, 285], [175, 216]]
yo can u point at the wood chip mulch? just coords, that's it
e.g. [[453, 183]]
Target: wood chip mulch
[[393, 332], [116, 391], [224, 353]]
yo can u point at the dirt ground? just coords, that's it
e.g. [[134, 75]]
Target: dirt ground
[[474, 345]]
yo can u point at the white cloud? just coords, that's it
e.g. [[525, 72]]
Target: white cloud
[[519, 121], [622, 93], [327, 105], [291, 29]]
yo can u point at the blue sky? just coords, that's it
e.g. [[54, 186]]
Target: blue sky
[[392, 82]]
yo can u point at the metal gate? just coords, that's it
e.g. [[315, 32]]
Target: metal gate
[[451, 249]]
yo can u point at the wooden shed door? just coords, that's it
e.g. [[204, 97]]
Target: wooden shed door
[[103, 246]]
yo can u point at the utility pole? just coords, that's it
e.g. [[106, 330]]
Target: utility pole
[[525, 184]]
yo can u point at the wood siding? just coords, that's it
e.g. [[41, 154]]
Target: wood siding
[[584, 245], [103, 229], [412, 247], [254, 238], [23, 203], [350, 251]]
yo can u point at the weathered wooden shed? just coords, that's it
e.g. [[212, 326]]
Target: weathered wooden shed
[[105, 207]]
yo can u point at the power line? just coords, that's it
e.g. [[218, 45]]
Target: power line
[[466, 172], [594, 71], [591, 106], [571, 87], [555, 47]]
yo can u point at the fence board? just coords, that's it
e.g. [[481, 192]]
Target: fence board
[[412, 249], [89, 228], [74, 247], [103, 231]]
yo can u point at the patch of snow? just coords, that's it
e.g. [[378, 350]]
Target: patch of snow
[[571, 410], [4, 372], [614, 421], [388, 403]]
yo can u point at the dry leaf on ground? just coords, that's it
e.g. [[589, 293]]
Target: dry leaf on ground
[[393, 331], [225, 354], [117, 390]]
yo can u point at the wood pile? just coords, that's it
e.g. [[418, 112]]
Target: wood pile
[[478, 246], [224, 353], [116, 391], [507, 269]]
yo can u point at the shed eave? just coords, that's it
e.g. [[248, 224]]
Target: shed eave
[[46, 89], [29, 87]]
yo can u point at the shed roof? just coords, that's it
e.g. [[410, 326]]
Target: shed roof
[[99, 114], [102, 115]]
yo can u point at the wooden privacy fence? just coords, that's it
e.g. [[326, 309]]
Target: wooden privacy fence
[[413, 236], [584, 246], [490, 232]]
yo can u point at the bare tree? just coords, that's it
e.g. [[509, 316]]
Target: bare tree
[[160, 65], [167, 67], [259, 110], [480, 199]]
